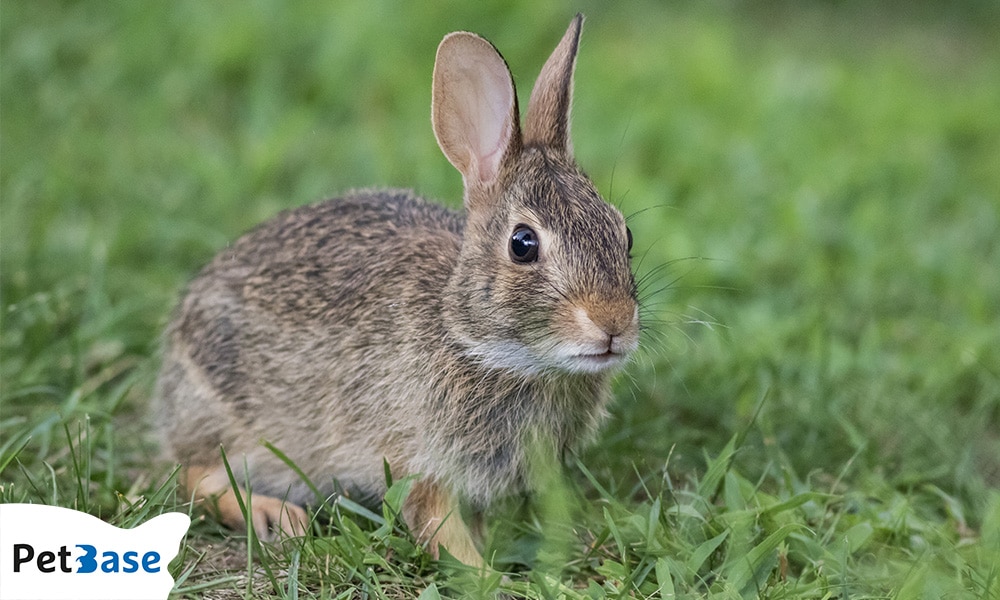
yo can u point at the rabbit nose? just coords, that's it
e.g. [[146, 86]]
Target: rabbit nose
[[614, 318]]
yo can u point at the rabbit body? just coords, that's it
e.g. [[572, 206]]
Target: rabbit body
[[380, 327]]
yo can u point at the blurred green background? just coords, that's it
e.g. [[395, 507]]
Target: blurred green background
[[815, 191]]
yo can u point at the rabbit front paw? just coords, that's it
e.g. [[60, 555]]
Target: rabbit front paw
[[271, 517], [434, 516]]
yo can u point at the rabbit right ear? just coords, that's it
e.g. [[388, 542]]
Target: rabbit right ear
[[474, 107]]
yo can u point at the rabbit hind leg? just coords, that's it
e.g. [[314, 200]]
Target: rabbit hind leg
[[269, 516]]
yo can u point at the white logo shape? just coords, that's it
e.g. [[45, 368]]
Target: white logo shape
[[52, 553]]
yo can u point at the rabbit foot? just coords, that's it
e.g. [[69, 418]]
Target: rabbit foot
[[433, 514], [269, 516], [272, 515]]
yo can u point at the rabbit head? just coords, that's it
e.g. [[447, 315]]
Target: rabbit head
[[544, 281]]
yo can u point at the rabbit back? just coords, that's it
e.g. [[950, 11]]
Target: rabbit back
[[299, 334]]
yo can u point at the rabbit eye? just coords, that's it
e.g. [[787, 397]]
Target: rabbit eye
[[523, 244], [628, 236]]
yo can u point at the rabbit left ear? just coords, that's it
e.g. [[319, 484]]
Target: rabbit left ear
[[474, 107], [547, 120]]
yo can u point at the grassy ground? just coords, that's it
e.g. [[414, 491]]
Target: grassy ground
[[816, 191]]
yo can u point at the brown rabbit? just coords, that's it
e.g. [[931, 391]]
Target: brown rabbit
[[380, 327]]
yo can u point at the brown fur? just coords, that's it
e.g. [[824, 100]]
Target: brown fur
[[380, 327]]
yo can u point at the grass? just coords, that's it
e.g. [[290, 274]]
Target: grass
[[816, 200]]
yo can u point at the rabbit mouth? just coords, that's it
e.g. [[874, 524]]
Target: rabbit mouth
[[595, 362]]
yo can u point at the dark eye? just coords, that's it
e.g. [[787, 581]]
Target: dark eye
[[628, 236], [523, 244]]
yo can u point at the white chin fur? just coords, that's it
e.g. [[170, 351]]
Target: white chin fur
[[592, 363], [518, 357], [511, 356]]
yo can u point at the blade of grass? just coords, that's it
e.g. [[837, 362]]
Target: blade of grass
[[253, 544], [742, 570], [295, 468]]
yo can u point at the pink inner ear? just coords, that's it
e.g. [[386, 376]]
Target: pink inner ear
[[491, 156], [490, 111]]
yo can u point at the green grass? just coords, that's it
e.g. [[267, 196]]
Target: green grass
[[816, 191]]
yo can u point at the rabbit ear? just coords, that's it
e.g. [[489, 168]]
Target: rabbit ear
[[474, 107], [547, 120]]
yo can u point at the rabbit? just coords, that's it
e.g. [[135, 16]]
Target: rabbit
[[381, 328]]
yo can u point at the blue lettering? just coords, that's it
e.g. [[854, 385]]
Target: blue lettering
[[110, 564], [149, 561], [131, 565], [87, 562]]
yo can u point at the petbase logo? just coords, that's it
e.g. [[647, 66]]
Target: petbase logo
[[53, 553]]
